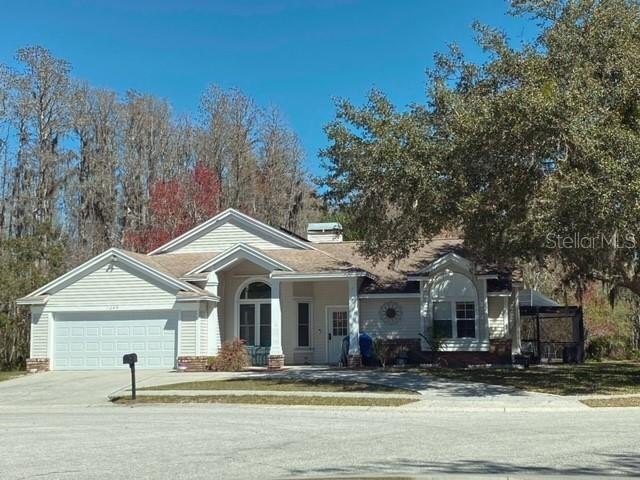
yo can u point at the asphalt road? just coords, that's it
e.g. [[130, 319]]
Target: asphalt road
[[227, 441]]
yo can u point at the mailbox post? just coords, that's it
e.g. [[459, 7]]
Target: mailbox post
[[131, 359]]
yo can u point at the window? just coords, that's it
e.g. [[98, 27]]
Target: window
[[265, 324], [340, 324], [255, 314], [465, 319], [256, 290], [248, 323], [442, 320], [304, 325]]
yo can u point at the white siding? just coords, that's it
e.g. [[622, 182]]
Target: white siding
[[463, 290], [188, 333], [113, 285], [497, 317], [407, 327], [204, 330], [226, 236], [39, 333]]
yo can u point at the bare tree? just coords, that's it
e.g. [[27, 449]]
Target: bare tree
[[93, 200], [145, 143]]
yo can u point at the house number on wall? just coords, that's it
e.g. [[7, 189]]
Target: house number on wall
[[391, 313]]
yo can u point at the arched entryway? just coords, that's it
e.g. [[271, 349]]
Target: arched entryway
[[254, 313]]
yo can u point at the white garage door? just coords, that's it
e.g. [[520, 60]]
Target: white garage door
[[93, 340]]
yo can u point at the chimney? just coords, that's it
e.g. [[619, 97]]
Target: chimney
[[330, 232]]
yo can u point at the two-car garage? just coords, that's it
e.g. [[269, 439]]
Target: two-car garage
[[94, 340]]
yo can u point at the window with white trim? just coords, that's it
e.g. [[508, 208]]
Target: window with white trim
[[465, 319], [454, 307], [442, 320], [254, 326]]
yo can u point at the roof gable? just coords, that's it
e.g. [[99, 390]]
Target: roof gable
[[112, 255], [228, 229], [236, 253]]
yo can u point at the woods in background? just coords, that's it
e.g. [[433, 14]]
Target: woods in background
[[84, 169]]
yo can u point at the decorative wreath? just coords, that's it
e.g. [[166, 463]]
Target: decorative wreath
[[391, 313]]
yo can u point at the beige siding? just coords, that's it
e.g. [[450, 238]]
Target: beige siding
[[113, 285], [497, 317], [226, 236], [188, 333], [407, 327], [39, 333], [325, 293]]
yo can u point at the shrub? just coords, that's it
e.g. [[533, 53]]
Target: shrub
[[232, 357], [211, 363], [613, 347], [382, 351]]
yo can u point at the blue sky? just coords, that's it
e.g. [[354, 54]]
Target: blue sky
[[297, 55]]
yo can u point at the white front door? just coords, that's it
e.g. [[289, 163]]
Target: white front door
[[337, 329]]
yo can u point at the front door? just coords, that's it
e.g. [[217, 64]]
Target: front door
[[337, 329]]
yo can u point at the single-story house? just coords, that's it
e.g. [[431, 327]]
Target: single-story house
[[295, 298]]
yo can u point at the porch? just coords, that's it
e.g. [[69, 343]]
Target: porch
[[297, 319]]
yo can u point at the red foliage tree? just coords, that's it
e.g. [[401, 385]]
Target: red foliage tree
[[176, 206]]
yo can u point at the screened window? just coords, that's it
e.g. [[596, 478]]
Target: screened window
[[304, 325], [466, 319], [442, 320]]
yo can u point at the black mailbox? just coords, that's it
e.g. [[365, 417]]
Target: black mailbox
[[131, 359]]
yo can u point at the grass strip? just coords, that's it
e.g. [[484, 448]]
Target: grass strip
[[267, 400], [9, 375], [606, 378], [612, 402], [276, 384]]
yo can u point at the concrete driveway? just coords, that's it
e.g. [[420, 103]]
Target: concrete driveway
[[78, 388]]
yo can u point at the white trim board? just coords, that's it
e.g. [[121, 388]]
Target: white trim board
[[383, 296], [319, 276]]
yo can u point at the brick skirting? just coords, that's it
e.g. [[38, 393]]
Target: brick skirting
[[35, 365], [354, 361], [192, 364], [275, 362]]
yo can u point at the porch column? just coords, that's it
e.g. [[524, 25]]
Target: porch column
[[355, 359], [213, 323], [276, 356], [483, 327], [516, 341]]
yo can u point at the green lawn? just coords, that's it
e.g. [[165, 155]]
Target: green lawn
[[10, 375], [588, 378], [277, 384], [269, 400]]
